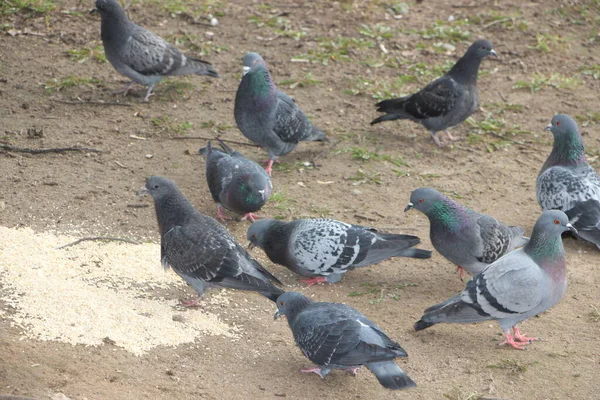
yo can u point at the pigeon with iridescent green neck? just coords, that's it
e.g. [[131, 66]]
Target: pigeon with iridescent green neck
[[568, 183], [518, 286], [468, 239], [235, 182], [266, 115]]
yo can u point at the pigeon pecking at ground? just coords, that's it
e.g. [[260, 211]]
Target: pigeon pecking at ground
[[336, 336], [199, 249], [468, 239], [445, 102], [325, 249], [267, 116], [568, 183], [139, 54], [523, 283], [235, 182]]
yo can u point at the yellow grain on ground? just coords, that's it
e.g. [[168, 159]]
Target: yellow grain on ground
[[94, 290]]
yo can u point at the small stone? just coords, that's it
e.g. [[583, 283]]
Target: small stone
[[149, 156]]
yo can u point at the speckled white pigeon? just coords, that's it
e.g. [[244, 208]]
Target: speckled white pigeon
[[325, 249], [518, 286], [139, 54], [568, 183]]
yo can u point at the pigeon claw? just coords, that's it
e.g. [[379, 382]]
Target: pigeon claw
[[522, 338], [251, 217], [517, 341], [461, 272], [316, 370], [352, 370], [313, 281], [191, 303]]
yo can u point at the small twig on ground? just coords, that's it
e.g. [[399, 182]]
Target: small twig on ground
[[86, 239], [498, 21], [93, 103], [143, 205], [214, 138], [16, 149]]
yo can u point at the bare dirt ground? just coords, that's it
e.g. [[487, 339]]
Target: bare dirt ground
[[358, 51]]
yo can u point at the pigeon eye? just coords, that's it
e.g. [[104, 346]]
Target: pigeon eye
[[557, 222], [557, 123], [156, 186], [421, 200], [281, 303]]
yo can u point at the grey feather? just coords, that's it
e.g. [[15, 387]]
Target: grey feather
[[445, 102], [568, 183], [517, 286], [466, 238], [139, 54], [336, 336], [201, 250], [328, 248]]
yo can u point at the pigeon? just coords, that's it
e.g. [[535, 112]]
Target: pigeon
[[139, 54], [325, 249], [336, 336], [235, 182], [267, 116], [445, 102], [199, 249], [568, 183], [468, 239], [519, 285]]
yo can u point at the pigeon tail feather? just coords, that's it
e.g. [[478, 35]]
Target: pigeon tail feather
[[196, 66], [390, 375]]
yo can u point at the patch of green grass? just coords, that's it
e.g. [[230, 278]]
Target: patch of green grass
[[378, 31], [501, 132], [26, 6], [512, 366], [308, 80], [215, 127], [382, 291], [196, 43], [591, 70], [338, 49], [423, 71], [505, 21], [361, 154], [501, 108], [457, 394], [85, 54], [166, 124], [280, 25], [174, 88], [545, 42], [590, 118], [449, 32], [594, 314], [56, 85], [361, 177], [395, 8], [539, 81], [281, 202]]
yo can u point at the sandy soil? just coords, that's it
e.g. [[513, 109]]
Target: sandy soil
[[364, 176]]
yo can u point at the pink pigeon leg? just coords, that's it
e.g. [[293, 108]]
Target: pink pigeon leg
[[511, 342], [316, 370], [220, 215], [352, 370], [125, 90], [522, 338], [313, 281], [251, 217], [452, 138], [437, 140], [149, 93], [191, 303], [461, 272]]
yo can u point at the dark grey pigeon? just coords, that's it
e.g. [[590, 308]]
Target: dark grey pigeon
[[516, 287], [199, 249], [468, 239], [267, 116], [325, 249], [445, 102], [139, 54], [235, 182], [568, 183], [335, 336]]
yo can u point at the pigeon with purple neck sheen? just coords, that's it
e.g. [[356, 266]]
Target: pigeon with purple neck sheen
[[324, 249], [445, 102], [267, 116], [199, 249], [468, 239], [518, 286], [568, 183], [235, 182], [336, 336], [139, 54]]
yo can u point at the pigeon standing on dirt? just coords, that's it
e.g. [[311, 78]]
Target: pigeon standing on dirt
[[325, 249], [568, 183], [335, 336], [524, 283], [139, 54], [199, 249], [267, 116], [235, 182], [466, 238], [445, 102]]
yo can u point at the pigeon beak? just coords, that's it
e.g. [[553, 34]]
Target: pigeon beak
[[548, 127], [262, 194], [143, 191], [245, 70], [571, 228], [278, 314], [409, 207], [493, 53], [93, 11]]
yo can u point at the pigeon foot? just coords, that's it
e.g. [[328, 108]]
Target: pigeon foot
[[316, 370], [522, 338], [313, 281], [251, 217], [352, 370], [191, 303], [461, 272]]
